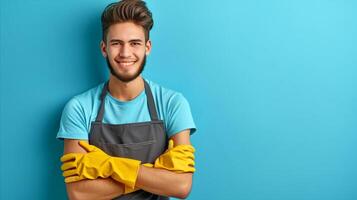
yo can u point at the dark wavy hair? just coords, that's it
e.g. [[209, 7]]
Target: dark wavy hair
[[134, 11]]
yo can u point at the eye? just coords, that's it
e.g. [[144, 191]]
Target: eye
[[135, 44]]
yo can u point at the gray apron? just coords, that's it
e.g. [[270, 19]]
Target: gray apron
[[144, 141]]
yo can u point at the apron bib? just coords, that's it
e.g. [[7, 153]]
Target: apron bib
[[144, 141]]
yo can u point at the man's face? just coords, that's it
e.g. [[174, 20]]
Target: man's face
[[126, 50]]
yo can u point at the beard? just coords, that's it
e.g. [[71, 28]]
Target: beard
[[127, 78]]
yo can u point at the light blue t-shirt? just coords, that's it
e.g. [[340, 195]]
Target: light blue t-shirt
[[81, 110]]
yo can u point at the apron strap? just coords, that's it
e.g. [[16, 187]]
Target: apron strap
[[149, 97], [102, 102], [150, 101]]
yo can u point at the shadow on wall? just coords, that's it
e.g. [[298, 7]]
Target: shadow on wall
[[92, 71]]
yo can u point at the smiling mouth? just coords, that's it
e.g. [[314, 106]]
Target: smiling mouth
[[126, 63]]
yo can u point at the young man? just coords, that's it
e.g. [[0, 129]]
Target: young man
[[116, 135]]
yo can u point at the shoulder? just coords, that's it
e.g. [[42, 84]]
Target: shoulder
[[76, 115], [86, 99], [167, 99], [176, 109], [165, 94]]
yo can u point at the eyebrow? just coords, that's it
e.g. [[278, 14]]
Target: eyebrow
[[133, 40]]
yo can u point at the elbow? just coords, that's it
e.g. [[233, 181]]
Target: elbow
[[74, 193], [183, 190]]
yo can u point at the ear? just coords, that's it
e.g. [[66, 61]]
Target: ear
[[103, 49], [148, 47]]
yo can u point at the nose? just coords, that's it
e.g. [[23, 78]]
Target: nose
[[124, 51]]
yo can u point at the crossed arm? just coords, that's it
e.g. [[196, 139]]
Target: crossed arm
[[165, 183]]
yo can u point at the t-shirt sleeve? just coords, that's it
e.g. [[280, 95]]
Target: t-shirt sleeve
[[72, 124], [179, 116]]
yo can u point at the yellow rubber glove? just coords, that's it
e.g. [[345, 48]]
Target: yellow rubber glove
[[127, 189], [96, 163], [179, 159]]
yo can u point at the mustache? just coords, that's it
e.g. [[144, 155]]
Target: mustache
[[124, 78]]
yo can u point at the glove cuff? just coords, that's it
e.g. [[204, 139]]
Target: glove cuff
[[125, 170], [128, 189]]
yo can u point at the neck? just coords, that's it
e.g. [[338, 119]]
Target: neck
[[125, 91]]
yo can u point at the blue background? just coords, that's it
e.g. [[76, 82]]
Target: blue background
[[272, 87]]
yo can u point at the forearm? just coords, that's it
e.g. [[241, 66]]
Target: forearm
[[98, 189], [165, 182]]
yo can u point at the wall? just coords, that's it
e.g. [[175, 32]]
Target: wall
[[272, 87]]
